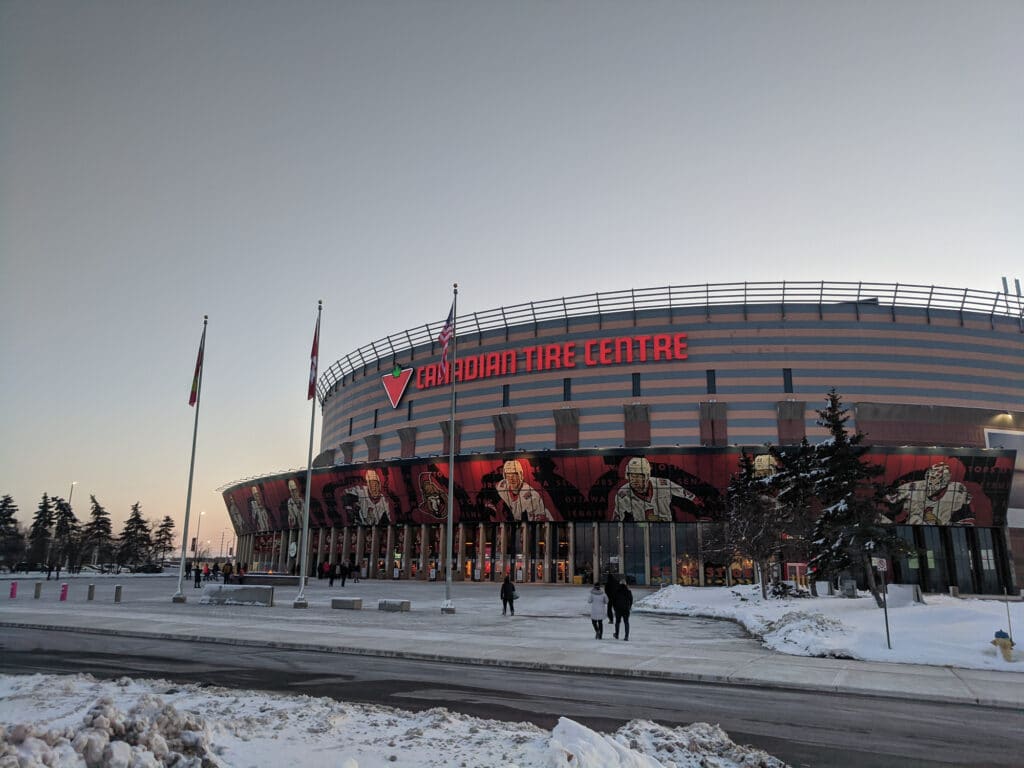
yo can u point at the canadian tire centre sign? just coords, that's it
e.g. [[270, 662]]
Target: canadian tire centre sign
[[590, 353]]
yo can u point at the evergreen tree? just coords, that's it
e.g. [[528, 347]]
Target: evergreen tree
[[850, 530], [65, 535], [98, 533], [39, 534], [163, 538], [136, 545], [793, 488], [12, 540], [754, 523]]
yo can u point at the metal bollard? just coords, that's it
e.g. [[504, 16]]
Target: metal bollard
[[39, 590], [92, 592], [117, 593], [64, 592], [14, 589]]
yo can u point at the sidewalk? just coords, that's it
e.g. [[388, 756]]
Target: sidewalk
[[550, 631]]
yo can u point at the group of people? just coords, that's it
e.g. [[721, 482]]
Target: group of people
[[206, 572], [339, 570], [615, 602]]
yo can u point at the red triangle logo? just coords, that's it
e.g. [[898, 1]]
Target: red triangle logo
[[396, 383]]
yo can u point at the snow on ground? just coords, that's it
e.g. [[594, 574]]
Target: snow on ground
[[80, 722], [944, 631]]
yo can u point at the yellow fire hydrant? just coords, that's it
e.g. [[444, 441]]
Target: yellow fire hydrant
[[1003, 642]]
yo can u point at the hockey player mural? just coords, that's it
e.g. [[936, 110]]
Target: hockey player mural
[[644, 498], [601, 486]]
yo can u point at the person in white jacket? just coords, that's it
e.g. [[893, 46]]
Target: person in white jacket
[[598, 601]]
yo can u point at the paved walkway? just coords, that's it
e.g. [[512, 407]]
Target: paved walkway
[[549, 631]]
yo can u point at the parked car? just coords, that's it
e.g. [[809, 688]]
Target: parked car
[[27, 567], [148, 568]]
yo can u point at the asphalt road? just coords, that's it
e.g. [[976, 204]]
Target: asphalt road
[[802, 728]]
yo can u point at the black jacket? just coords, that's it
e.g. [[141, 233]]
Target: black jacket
[[507, 590], [622, 600]]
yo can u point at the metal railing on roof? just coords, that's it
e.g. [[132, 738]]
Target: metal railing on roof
[[892, 295]]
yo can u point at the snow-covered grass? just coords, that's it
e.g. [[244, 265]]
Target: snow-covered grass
[[944, 631], [79, 722]]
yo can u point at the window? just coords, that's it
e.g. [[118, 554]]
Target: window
[[375, 413], [504, 395], [408, 411], [787, 380], [350, 426], [636, 385], [566, 390], [711, 384]]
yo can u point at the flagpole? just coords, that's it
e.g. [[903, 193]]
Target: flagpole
[[179, 596], [300, 599], [448, 606]]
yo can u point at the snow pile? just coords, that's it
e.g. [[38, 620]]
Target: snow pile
[[152, 724], [944, 631], [643, 744], [152, 733]]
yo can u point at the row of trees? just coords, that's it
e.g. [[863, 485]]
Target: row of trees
[[816, 504], [56, 538]]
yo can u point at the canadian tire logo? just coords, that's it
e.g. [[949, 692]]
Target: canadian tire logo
[[395, 383]]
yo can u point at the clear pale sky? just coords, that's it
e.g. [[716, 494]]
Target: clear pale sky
[[162, 160]]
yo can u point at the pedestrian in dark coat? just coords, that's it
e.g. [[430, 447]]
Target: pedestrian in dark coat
[[508, 596], [622, 604], [198, 574], [598, 601], [343, 572], [609, 592], [332, 569]]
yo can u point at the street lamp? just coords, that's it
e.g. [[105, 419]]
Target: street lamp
[[72, 491], [199, 521]]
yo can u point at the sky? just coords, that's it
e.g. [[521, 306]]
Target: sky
[[250, 728], [164, 161]]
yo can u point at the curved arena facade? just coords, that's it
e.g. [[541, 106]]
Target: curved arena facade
[[592, 431]]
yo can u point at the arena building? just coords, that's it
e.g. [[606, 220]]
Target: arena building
[[591, 431]]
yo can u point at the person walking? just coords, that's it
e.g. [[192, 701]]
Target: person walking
[[609, 590], [343, 572], [198, 574], [508, 596], [622, 604], [598, 601]]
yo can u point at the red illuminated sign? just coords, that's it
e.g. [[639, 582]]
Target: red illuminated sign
[[395, 384], [615, 350]]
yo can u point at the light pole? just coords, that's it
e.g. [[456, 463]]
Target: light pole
[[72, 491], [199, 521]]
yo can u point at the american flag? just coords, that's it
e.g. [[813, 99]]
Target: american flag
[[445, 337]]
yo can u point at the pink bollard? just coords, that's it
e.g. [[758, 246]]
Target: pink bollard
[[63, 592], [14, 589]]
